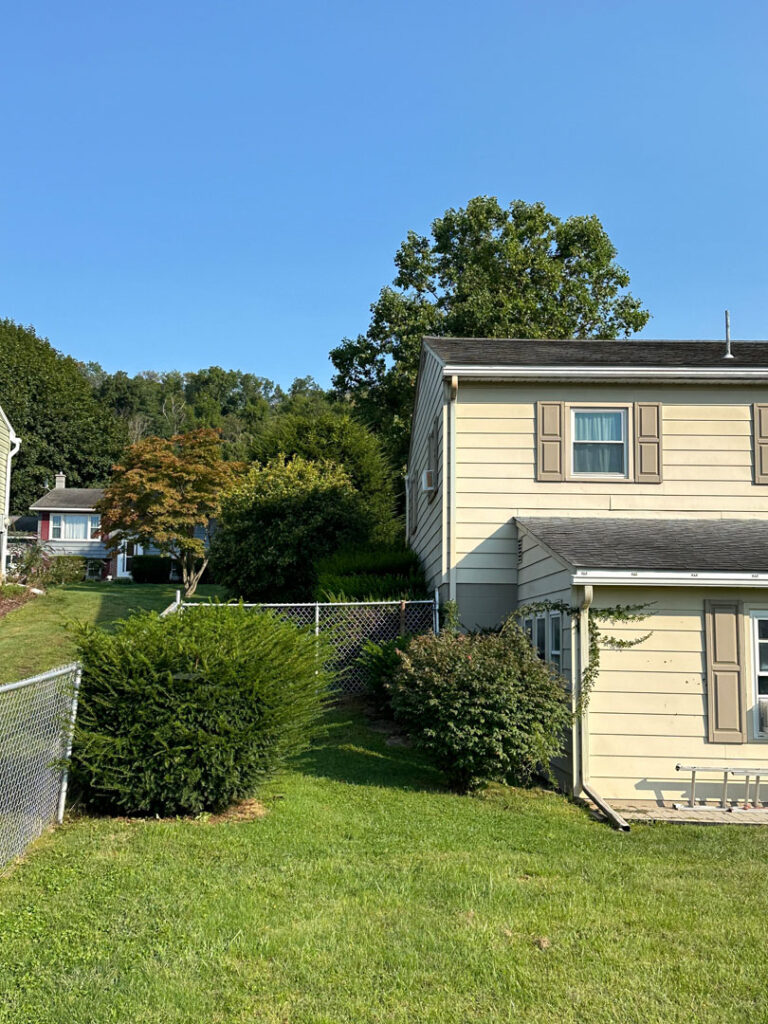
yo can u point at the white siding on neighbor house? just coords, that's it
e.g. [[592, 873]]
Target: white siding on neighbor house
[[649, 706], [706, 459], [544, 578], [431, 537]]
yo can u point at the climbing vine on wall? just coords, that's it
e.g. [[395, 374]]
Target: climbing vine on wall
[[597, 638]]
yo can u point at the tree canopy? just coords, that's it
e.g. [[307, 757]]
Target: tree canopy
[[61, 424], [490, 272], [167, 492]]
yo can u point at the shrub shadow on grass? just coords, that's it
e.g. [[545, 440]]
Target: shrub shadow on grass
[[348, 750]]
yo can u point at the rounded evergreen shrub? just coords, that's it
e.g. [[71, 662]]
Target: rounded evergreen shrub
[[483, 706], [191, 712]]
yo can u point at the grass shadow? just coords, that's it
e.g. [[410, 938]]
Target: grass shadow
[[349, 751]]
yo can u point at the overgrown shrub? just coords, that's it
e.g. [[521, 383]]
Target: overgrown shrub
[[380, 663], [151, 568], [65, 569], [192, 712], [380, 573], [483, 706], [278, 520]]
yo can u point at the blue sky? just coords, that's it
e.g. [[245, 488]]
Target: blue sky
[[187, 184]]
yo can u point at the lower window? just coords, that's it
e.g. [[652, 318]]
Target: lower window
[[760, 670], [545, 635]]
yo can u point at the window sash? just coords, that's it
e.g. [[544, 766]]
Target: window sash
[[75, 527], [591, 451], [760, 671]]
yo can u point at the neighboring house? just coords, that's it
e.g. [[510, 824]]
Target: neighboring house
[[9, 446], [68, 524], [598, 473]]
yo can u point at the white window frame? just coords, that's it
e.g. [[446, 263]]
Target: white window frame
[[59, 520], [555, 654], [531, 629], [625, 421], [756, 616]]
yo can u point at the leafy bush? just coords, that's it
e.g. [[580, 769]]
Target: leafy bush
[[484, 706], [278, 520], [192, 712], [151, 568], [380, 663], [65, 569], [378, 573]]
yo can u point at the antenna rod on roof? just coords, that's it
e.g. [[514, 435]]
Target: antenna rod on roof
[[728, 353]]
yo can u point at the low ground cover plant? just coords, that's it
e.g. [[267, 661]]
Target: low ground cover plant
[[484, 706], [192, 712], [383, 573]]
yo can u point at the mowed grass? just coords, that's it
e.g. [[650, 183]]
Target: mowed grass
[[35, 637], [368, 894]]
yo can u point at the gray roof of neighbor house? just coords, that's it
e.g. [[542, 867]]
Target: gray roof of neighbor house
[[520, 352], [672, 545], [69, 499], [22, 524]]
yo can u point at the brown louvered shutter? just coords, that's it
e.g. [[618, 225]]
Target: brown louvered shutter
[[760, 442], [648, 442], [550, 443], [726, 699]]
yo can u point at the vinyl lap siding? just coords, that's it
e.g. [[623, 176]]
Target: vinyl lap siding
[[543, 578], [428, 540], [707, 465], [649, 706], [5, 450]]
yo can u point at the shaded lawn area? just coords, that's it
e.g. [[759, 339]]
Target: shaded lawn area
[[34, 638], [367, 894]]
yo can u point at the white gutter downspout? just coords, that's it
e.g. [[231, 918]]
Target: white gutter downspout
[[15, 445], [581, 759], [452, 492]]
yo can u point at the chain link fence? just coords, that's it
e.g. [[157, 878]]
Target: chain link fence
[[348, 625], [37, 717]]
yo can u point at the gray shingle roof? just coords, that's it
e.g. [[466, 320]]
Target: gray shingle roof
[[674, 545], [671, 354], [62, 498]]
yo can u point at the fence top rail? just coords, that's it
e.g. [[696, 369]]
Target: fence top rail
[[53, 673], [300, 604]]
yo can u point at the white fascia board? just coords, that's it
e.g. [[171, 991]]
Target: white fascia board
[[59, 511], [638, 374], [625, 578]]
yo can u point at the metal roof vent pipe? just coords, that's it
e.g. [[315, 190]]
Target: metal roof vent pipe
[[728, 353]]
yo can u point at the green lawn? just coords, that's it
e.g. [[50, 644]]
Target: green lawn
[[367, 894], [35, 637]]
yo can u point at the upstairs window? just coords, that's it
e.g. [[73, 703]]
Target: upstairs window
[[75, 527], [599, 442]]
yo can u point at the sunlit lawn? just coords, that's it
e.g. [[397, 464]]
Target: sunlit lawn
[[368, 894], [34, 638]]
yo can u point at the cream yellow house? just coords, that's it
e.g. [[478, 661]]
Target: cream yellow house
[[9, 445], [597, 473]]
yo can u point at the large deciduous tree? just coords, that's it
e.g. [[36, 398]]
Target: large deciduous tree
[[52, 408], [485, 272], [167, 492]]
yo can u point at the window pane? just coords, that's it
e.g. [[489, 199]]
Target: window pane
[[763, 646], [541, 638], [56, 527], [598, 458], [762, 685], [598, 426], [554, 634], [75, 527], [762, 629]]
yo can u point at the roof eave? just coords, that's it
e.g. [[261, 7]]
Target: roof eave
[[635, 374], [662, 578]]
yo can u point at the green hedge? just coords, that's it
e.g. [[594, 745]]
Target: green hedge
[[151, 568], [380, 573], [192, 712], [65, 569]]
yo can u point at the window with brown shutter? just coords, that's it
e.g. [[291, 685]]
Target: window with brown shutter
[[648, 442], [760, 442], [726, 699], [550, 441]]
